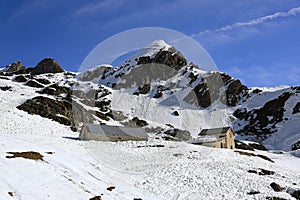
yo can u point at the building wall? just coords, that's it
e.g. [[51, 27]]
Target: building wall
[[230, 139], [85, 134]]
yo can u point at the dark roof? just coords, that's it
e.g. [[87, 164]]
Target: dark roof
[[214, 131], [116, 130]]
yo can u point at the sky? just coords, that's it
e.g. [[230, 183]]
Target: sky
[[255, 41]]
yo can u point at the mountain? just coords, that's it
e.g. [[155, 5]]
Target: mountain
[[158, 89]]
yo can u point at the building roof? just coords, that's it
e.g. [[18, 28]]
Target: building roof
[[214, 131], [206, 139], [116, 130]]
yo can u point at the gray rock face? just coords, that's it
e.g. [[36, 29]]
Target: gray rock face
[[49, 108], [262, 121], [14, 67], [47, 65], [296, 145], [216, 86], [171, 58]]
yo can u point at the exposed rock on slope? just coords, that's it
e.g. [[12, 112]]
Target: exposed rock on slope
[[13, 67], [47, 65], [263, 121]]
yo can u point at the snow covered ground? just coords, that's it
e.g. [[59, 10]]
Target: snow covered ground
[[74, 169]]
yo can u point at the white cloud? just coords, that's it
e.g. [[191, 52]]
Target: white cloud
[[253, 22]]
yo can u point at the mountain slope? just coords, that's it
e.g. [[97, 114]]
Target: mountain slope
[[159, 89], [156, 169]]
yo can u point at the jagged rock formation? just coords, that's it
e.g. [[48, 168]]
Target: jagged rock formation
[[47, 65], [16, 66], [263, 121], [159, 74]]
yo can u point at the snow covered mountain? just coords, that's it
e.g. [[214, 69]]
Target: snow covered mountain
[[42, 109]]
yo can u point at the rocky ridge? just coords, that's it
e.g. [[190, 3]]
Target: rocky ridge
[[161, 75]]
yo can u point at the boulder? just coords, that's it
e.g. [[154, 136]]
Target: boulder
[[296, 146], [5, 88], [33, 83], [16, 66], [20, 79], [276, 187], [47, 65]]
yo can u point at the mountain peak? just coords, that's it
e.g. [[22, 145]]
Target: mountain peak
[[150, 50], [159, 44]]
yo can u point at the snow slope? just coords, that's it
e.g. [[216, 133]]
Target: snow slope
[[74, 169]]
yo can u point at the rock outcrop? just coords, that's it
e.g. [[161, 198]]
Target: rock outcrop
[[47, 65], [16, 66]]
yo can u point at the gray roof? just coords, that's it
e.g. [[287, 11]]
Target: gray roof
[[116, 130], [214, 131]]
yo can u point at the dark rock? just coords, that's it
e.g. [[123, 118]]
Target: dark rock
[[5, 88], [33, 83], [276, 187], [96, 198], [139, 122], [63, 111], [256, 155], [275, 198], [242, 145], [135, 122], [21, 71], [253, 192], [154, 145], [257, 91], [56, 89], [159, 92], [259, 120], [101, 116], [235, 89], [258, 146], [294, 193], [103, 106], [175, 113], [193, 77], [261, 172], [111, 188], [266, 172], [296, 109], [4, 78], [296, 146], [47, 65], [20, 79], [16, 66], [206, 92], [241, 113], [42, 81], [210, 90], [49, 108], [171, 58], [177, 134], [252, 171], [144, 89]]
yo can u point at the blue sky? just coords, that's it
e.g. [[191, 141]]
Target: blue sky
[[256, 41]]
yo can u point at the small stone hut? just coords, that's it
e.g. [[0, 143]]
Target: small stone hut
[[216, 137], [112, 133]]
